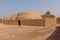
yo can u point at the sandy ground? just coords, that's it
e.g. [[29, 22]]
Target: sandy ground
[[9, 32]]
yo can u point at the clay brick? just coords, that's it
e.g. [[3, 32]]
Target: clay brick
[[0, 20], [33, 22], [58, 20]]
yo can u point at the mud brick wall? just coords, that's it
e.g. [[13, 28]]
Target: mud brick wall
[[58, 20], [0, 20], [10, 22], [33, 22], [5, 22], [50, 22]]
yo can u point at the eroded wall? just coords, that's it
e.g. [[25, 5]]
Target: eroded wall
[[0, 20], [33, 22], [50, 22], [58, 20], [10, 22]]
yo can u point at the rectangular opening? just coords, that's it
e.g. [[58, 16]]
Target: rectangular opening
[[19, 22]]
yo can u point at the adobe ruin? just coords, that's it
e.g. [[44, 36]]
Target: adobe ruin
[[30, 19]]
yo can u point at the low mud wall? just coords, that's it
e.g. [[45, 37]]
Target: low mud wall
[[33, 22], [49, 22], [58, 20], [5, 22], [10, 22], [0, 20]]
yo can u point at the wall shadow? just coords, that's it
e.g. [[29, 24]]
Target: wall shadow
[[55, 35]]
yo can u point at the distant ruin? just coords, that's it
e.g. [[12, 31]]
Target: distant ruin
[[30, 19]]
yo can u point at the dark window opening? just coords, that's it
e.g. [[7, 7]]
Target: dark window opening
[[19, 22]]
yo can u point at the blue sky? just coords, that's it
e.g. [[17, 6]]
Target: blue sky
[[8, 7]]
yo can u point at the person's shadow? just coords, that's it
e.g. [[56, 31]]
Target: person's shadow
[[55, 35]]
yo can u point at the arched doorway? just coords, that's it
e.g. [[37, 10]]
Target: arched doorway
[[19, 22]]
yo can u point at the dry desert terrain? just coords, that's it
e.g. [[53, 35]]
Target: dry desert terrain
[[9, 32]]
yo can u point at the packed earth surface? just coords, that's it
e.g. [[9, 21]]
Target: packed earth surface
[[14, 32]]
